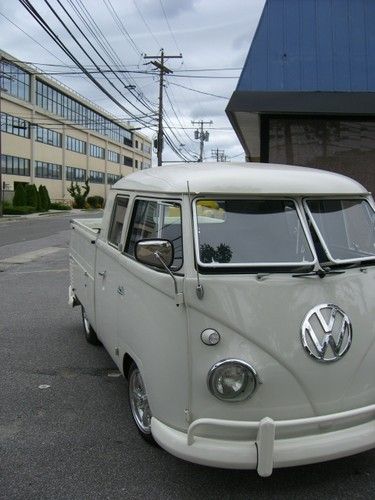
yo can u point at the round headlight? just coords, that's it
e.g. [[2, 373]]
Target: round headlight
[[232, 380]]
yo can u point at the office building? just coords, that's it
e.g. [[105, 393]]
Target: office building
[[51, 135]]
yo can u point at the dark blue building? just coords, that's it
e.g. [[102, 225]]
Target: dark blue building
[[306, 95]]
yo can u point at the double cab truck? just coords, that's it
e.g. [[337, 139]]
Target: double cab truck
[[238, 300]]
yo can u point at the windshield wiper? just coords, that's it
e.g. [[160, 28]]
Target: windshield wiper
[[319, 271]]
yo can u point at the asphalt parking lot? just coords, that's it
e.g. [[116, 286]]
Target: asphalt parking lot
[[65, 425]]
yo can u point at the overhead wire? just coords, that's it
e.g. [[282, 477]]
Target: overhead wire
[[93, 47], [40, 20]]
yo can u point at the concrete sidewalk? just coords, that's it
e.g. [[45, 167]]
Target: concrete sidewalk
[[73, 212]]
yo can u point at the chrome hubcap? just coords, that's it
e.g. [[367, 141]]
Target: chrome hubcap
[[86, 323], [139, 402]]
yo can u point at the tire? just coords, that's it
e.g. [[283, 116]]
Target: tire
[[90, 334], [138, 403]]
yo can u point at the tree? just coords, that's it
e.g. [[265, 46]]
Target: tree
[[48, 199], [43, 204], [79, 193], [19, 199], [31, 196]]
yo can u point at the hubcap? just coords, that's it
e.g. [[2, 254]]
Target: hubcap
[[86, 323], [139, 402]]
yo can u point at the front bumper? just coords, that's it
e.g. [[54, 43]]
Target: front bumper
[[268, 451]]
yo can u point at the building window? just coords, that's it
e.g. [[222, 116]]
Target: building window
[[128, 161], [47, 170], [13, 165], [96, 177], [147, 148], [97, 151], [62, 105], [113, 156], [48, 136], [75, 174], [136, 144], [76, 145], [136, 163], [112, 178], [13, 125], [15, 80]]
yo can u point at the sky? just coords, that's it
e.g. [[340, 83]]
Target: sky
[[213, 37]]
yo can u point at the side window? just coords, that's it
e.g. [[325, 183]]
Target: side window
[[156, 219], [117, 222]]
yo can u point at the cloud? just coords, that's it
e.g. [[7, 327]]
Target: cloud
[[172, 8]]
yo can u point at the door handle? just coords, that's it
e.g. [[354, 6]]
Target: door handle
[[120, 290], [102, 273]]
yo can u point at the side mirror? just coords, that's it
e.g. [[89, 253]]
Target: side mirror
[[156, 253]]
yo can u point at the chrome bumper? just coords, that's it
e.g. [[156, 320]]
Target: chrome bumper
[[268, 451]]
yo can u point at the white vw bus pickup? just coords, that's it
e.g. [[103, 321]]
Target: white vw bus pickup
[[238, 301]]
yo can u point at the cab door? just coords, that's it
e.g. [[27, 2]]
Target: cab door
[[152, 328], [108, 278]]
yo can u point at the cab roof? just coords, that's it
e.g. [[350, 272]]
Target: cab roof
[[239, 178]]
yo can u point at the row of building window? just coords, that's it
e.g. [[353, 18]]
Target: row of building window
[[13, 165], [60, 104], [14, 81], [97, 151], [48, 136], [17, 82], [16, 126], [75, 145]]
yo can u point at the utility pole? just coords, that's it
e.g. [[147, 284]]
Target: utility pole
[[162, 70], [201, 135], [218, 154]]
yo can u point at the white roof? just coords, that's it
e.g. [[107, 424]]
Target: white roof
[[239, 178]]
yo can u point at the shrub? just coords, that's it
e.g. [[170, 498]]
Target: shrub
[[47, 198], [79, 193], [19, 199], [19, 210], [95, 201], [31, 196], [60, 206], [43, 204]]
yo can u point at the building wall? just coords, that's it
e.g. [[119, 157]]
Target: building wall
[[26, 117]]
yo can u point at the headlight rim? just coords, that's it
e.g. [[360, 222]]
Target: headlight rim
[[226, 361]]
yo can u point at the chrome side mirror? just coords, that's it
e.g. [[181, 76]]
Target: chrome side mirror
[[156, 253]]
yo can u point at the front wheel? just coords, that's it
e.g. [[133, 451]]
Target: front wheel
[[139, 403], [90, 334]]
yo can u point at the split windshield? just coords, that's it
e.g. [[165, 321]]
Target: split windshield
[[346, 228], [250, 233]]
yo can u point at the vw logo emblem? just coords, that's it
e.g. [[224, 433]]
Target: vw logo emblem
[[326, 333]]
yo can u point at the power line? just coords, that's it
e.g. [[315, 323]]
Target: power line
[[145, 23], [35, 14], [199, 91]]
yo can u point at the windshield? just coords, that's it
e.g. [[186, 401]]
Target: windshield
[[250, 233], [345, 228]]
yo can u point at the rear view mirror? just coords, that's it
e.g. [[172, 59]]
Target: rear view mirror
[[156, 253]]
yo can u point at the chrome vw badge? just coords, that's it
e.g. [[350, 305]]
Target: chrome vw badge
[[326, 333]]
